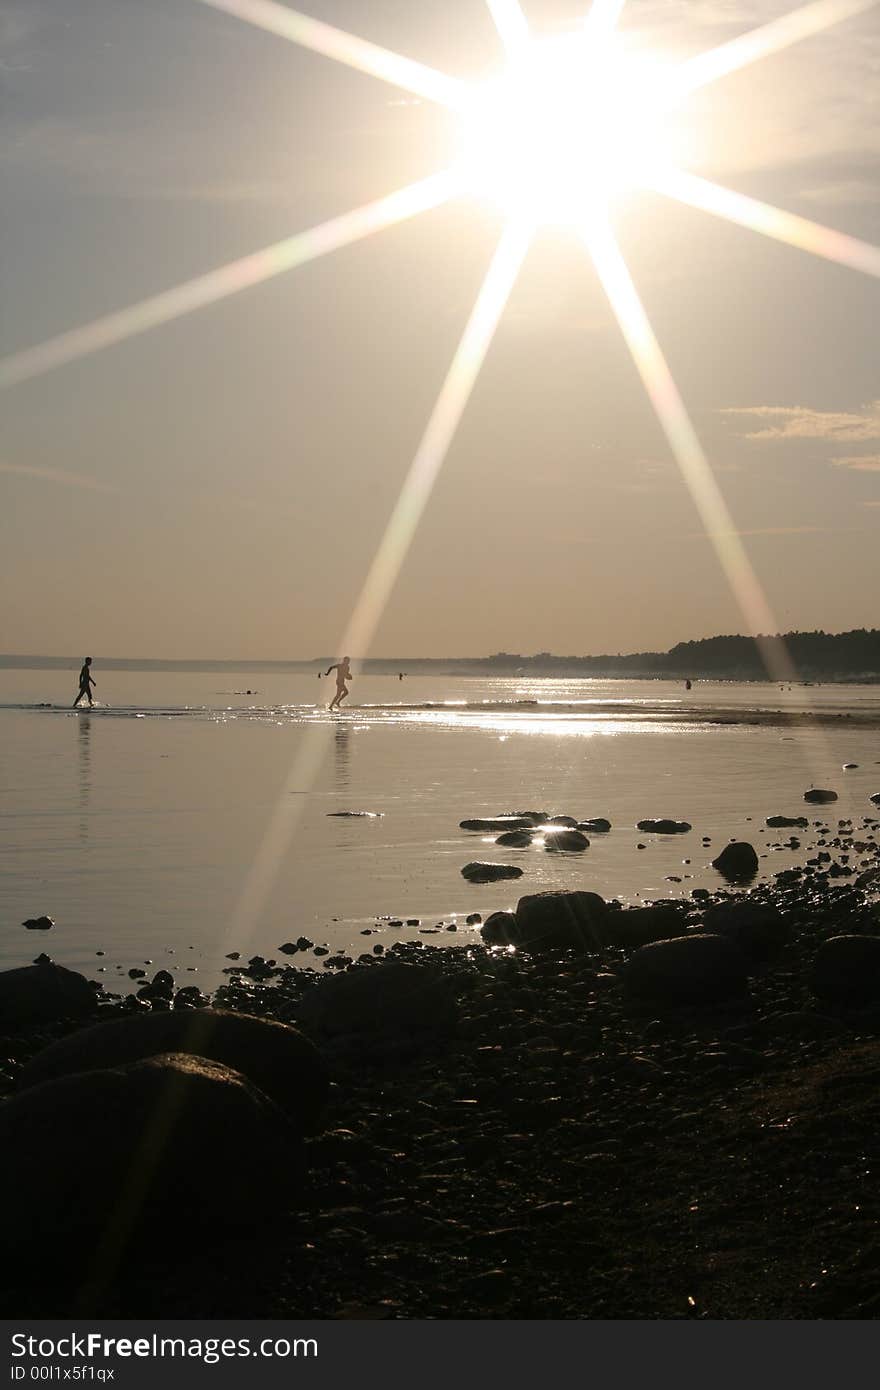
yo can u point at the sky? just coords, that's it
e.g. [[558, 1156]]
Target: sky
[[218, 485]]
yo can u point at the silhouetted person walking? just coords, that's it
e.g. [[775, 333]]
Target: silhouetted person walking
[[343, 674], [85, 682]]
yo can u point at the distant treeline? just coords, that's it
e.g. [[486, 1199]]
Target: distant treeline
[[813, 655]]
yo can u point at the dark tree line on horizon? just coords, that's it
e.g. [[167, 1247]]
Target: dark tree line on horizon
[[813, 654]]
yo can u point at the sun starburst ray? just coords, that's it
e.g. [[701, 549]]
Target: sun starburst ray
[[772, 222], [441, 428], [229, 279], [764, 41], [439, 432], [511, 23], [684, 443], [602, 17], [345, 48]]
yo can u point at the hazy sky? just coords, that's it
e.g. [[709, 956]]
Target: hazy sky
[[218, 486]]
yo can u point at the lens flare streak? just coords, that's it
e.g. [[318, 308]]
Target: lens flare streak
[[345, 48], [443, 423], [228, 279], [772, 222], [686, 448], [764, 41], [510, 22]]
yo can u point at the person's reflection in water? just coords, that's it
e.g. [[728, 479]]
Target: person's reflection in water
[[84, 725], [342, 750]]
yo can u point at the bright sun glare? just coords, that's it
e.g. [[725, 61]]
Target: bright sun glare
[[568, 123]]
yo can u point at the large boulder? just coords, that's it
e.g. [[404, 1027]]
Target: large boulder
[[42, 993], [846, 970], [273, 1056], [92, 1161], [499, 929], [391, 997], [548, 921], [700, 968], [664, 827], [481, 872], [737, 862], [639, 926], [758, 929]]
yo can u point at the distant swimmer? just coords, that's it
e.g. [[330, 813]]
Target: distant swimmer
[[343, 674], [85, 682], [687, 685]]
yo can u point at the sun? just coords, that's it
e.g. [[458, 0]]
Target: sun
[[571, 121]]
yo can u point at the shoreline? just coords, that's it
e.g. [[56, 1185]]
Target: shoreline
[[562, 1149]]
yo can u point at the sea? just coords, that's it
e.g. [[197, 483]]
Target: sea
[[191, 815]]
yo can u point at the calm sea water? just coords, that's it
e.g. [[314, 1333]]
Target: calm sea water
[[185, 818]]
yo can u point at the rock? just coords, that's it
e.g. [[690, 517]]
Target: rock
[[499, 929], [275, 1057], [41, 993], [498, 823], [758, 929], [392, 996], [571, 840], [515, 839], [102, 1158], [546, 921], [568, 821], [597, 826], [191, 997], [473, 919], [289, 948], [365, 815], [664, 827], [820, 795], [737, 862], [38, 923], [847, 970], [639, 926], [779, 822], [489, 873], [699, 968], [848, 767], [875, 797]]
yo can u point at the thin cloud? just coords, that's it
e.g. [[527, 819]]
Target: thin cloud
[[58, 475], [800, 422], [860, 463]]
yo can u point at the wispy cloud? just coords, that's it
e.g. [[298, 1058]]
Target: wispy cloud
[[860, 463], [800, 422], [58, 475], [758, 531]]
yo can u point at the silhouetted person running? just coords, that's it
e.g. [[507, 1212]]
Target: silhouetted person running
[[85, 683], [343, 674]]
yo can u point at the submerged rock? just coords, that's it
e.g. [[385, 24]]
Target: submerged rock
[[664, 827], [478, 872], [38, 923], [737, 862], [780, 822], [364, 815], [598, 825], [571, 840], [498, 823], [515, 839]]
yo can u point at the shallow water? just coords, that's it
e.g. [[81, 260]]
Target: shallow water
[[189, 818]]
